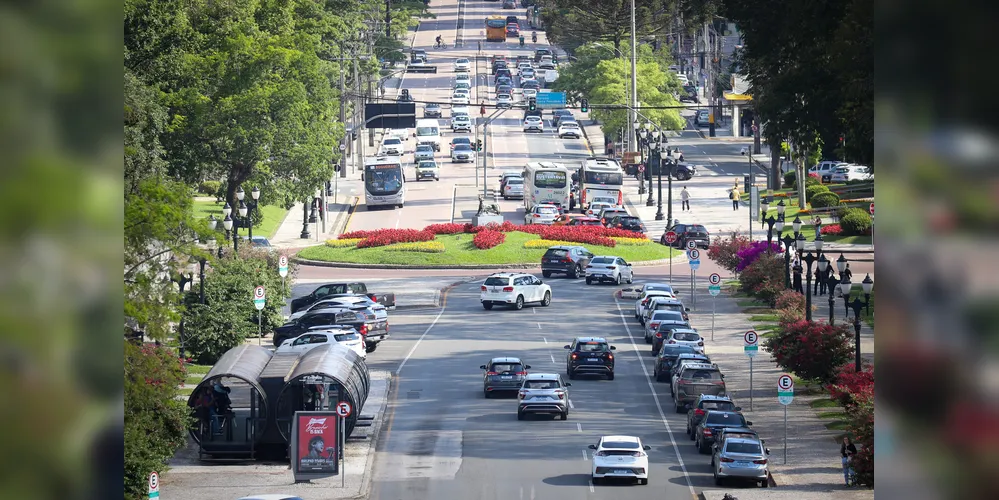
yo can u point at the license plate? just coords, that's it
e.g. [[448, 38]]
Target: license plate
[[740, 463], [506, 377], [621, 471], [593, 359], [495, 291]]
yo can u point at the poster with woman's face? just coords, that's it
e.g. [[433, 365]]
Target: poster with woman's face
[[317, 443]]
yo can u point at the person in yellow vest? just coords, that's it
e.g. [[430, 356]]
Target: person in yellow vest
[[734, 196]]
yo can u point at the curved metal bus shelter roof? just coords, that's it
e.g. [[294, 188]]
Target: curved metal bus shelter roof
[[244, 362], [345, 367]]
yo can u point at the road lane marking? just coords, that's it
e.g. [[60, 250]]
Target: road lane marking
[[539, 326], [545, 339], [417, 344], [532, 492], [579, 427], [591, 485], [553, 358], [585, 456], [571, 405], [655, 397]]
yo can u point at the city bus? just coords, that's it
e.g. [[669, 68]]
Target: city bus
[[496, 29], [545, 182], [384, 182], [600, 177]]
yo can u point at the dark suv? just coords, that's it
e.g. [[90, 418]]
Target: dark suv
[[705, 403], [560, 114], [714, 421], [503, 374], [364, 321], [665, 359], [589, 355], [568, 260], [628, 223], [688, 232]]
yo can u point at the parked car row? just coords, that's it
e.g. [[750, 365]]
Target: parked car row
[[343, 313]]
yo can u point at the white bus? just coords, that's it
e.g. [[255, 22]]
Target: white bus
[[600, 177], [546, 182], [384, 182]]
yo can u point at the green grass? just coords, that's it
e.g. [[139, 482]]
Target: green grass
[[824, 403], [749, 303], [194, 379], [272, 216], [763, 317], [185, 391], [193, 368], [460, 250], [839, 425], [764, 327], [832, 415]]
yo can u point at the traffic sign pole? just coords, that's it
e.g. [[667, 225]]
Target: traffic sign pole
[[714, 288], [670, 238], [750, 383], [785, 395]]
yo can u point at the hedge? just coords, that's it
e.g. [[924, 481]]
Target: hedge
[[825, 199], [815, 189], [856, 222]]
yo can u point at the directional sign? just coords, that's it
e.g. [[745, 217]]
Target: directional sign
[[154, 485], [694, 264], [691, 245], [785, 389], [694, 254], [714, 279], [551, 99], [750, 342], [283, 266], [670, 237], [259, 297], [714, 290], [343, 409], [872, 208]]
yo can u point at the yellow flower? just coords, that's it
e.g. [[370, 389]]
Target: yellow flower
[[419, 246], [858, 200], [539, 243], [631, 241], [349, 242]]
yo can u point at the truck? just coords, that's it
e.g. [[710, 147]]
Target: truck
[[327, 289]]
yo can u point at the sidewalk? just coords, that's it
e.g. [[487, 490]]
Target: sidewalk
[[289, 233], [812, 469]]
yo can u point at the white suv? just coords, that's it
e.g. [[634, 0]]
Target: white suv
[[514, 289]]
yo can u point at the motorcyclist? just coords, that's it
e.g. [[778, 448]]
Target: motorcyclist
[[534, 36], [521, 40]]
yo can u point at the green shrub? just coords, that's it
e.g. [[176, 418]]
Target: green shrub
[[855, 222], [812, 181], [815, 189], [789, 179], [825, 199], [209, 188], [764, 276], [810, 350]]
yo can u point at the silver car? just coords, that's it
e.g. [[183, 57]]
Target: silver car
[[423, 152], [543, 393], [503, 374], [744, 459], [513, 188], [541, 214], [504, 101], [609, 268]]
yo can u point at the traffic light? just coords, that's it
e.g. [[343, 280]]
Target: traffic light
[[585, 106], [478, 144], [532, 104]]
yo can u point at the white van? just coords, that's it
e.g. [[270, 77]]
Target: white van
[[428, 131]]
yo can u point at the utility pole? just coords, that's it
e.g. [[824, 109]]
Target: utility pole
[[360, 109], [632, 119], [343, 115], [388, 19], [709, 86]]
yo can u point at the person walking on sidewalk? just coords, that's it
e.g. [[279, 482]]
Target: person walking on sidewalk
[[685, 198], [796, 283], [734, 196], [847, 450], [818, 226]]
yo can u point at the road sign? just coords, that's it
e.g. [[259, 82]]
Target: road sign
[[641, 170], [283, 266], [343, 409], [872, 208], [670, 237], [259, 297], [694, 254], [343, 147], [691, 245], [785, 389], [551, 99], [714, 290], [714, 279], [154, 485], [750, 342]]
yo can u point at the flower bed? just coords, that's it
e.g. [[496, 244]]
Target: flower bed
[[449, 228], [488, 238], [542, 243], [832, 229], [419, 246], [580, 234], [621, 240], [343, 242], [391, 236]]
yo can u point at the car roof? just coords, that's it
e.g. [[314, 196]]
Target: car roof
[[505, 359], [542, 376], [607, 257], [591, 339]]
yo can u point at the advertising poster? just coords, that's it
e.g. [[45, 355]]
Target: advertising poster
[[316, 439]]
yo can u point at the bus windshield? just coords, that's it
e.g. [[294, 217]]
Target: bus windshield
[[553, 180], [496, 23], [382, 180], [608, 178]]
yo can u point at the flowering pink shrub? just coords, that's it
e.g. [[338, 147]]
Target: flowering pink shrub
[[749, 254], [850, 382], [450, 228], [832, 229], [359, 234], [810, 350], [488, 238], [725, 251], [385, 237]]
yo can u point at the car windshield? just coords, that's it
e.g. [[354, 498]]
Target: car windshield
[[545, 210], [718, 405], [603, 199], [462, 61], [497, 281], [506, 368], [392, 142], [686, 337], [570, 124], [532, 119], [540, 384], [730, 419], [602, 260], [663, 288], [461, 140], [669, 307], [751, 448], [631, 220], [591, 347], [627, 445], [462, 147], [699, 375], [428, 164], [666, 315], [424, 148]]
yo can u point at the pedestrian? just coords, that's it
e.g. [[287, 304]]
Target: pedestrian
[[847, 273], [734, 196], [796, 285], [818, 279], [572, 201], [685, 198], [847, 450], [818, 226]]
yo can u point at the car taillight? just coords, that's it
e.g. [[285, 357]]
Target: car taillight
[[521, 394], [574, 356], [672, 341], [638, 454], [601, 453], [726, 460], [761, 462], [620, 198], [521, 373], [653, 326], [561, 395], [567, 260], [700, 343], [707, 432], [610, 356], [611, 267], [386, 327], [492, 373], [483, 288], [582, 198], [537, 216], [659, 335], [364, 329], [508, 289], [699, 412]]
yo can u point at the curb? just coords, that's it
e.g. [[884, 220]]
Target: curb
[[357, 265], [368, 470]]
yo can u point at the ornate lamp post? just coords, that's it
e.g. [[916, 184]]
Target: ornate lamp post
[[787, 240], [669, 161], [251, 205], [868, 286], [654, 135], [764, 208], [844, 284], [832, 285], [643, 144]]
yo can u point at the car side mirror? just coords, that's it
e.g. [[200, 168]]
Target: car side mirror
[[686, 309], [723, 376], [767, 450], [482, 367], [613, 348], [567, 384], [592, 446], [565, 347], [527, 367], [738, 408], [646, 447], [748, 422]]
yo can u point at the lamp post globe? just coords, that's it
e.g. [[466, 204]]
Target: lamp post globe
[[818, 243], [226, 210], [242, 209], [799, 241], [255, 193], [867, 284], [781, 207], [240, 194], [841, 263], [227, 223], [796, 224], [779, 225], [765, 205], [212, 222], [823, 263]]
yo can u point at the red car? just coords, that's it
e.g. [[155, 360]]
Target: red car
[[512, 29]]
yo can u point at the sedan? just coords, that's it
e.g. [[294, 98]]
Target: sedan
[[504, 101], [570, 129], [609, 268], [462, 65], [503, 374], [459, 109], [533, 123], [620, 457], [459, 98], [852, 173], [741, 459], [461, 140], [462, 154], [348, 337], [541, 214], [392, 146], [432, 110], [527, 74], [461, 123], [513, 188], [423, 152], [503, 80]]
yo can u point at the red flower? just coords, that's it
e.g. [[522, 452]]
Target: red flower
[[488, 238], [832, 229], [383, 237], [450, 228]]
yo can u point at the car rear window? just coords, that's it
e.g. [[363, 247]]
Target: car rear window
[[392, 141], [753, 448], [677, 308], [732, 419], [686, 337], [698, 375], [628, 445], [591, 347], [718, 405], [515, 180], [497, 281], [697, 229], [506, 368], [344, 337], [556, 252], [674, 350], [602, 260], [546, 210], [540, 384]]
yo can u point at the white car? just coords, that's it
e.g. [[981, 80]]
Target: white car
[[463, 77], [459, 98], [462, 85], [530, 92], [462, 153], [461, 123], [399, 133], [569, 129], [604, 199], [658, 316], [524, 64], [852, 173], [392, 146], [620, 457], [461, 109], [527, 74], [504, 101], [652, 289], [534, 123], [324, 336], [825, 169], [541, 214], [462, 65], [514, 290], [609, 268], [688, 337], [594, 208], [513, 188], [682, 78]]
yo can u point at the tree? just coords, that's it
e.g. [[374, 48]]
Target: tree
[[810, 350]]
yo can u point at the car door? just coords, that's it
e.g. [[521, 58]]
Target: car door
[[626, 271], [315, 340], [298, 345], [530, 289], [539, 288]]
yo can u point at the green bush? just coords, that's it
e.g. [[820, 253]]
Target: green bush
[[789, 179], [155, 422], [812, 181], [209, 188], [815, 189], [825, 199], [810, 350], [855, 222], [764, 278]]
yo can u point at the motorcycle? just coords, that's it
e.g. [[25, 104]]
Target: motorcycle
[[521, 40], [534, 38]]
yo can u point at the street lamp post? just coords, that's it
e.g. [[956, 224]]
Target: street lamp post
[[251, 205], [764, 209], [844, 284], [832, 284], [788, 240], [669, 161], [772, 222], [305, 222], [643, 144], [655, 158], [868, 286], [809, 260]]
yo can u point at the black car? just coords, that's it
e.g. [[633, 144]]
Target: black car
[[689, 94], [589, 355], [705, 403], [684, 172], [364, 321], [564, 259], [498, 65], [531, 84], [558, 115], [688, 232], [628, 223], [714, 421], [503, 80], [503, 374], [663, 331], [665, 359], [504, 72], [736, 432], [512, 19]]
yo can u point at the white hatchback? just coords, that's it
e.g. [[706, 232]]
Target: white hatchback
[[687, 337], [392, 146], [595, 208], [462, 65], [569, 129], [534, 123], [504, 101], [852, 173], [324, 336], [609, 268], [514, 290], [620, 457], [541, 214]]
